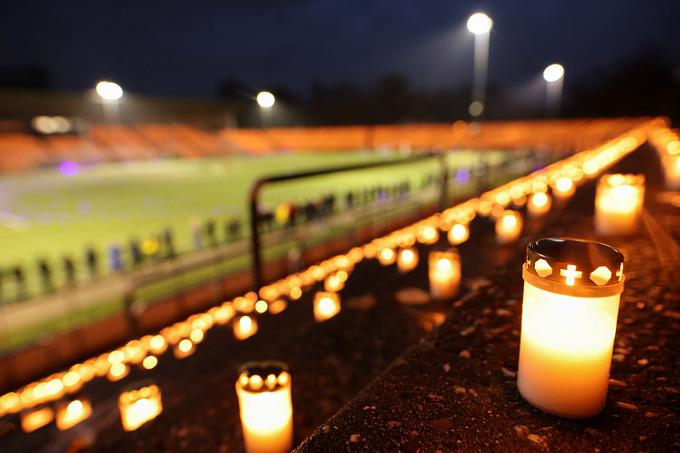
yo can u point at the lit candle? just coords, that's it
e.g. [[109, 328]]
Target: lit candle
[[672, 170], [266, 407], [428, 235], [508, 227], [444, 273], [334, 283], [618, 204], [326, 305], [539, 204], [407, 259], [564, 188], [71, 413], [139, 406], [571, 300], [34, 419], [244, 327], [458, 234], [183, 349], [387, 256]]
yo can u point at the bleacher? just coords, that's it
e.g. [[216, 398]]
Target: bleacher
[[20, 150]]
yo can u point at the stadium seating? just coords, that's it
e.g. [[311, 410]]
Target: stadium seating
[[22, 150]]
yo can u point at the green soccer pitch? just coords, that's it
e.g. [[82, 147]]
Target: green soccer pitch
[[46, 214]]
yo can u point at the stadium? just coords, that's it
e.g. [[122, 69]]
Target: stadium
[[407, 264]]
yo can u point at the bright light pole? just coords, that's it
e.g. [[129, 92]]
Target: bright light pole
[[479, 24], [266, 101], [110, 94], [554, 82]]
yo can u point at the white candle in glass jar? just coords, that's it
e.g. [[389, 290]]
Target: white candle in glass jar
[[444, 273], [618, 204], [508, 227], [569, 314], [266, 407]]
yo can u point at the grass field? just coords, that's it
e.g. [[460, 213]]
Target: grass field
[[45, 213]]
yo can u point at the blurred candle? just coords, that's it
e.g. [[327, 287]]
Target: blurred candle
[[444, 273], [266, 407], [571, 300], [539, 204], [387, 256], [139, 406], [407, 259], [326, 305], [36, 418], [333, 283], [183, 349], [244, 327], [564, 188], [428, 235], [458, 234], [71, 413], [618, 204], [508, 227], [672, 170]]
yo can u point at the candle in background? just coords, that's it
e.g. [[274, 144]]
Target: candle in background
[[139, 406], [564, 188], [244, 327], [672, 170], [428, 235], [458, 234], [387, 256], [539, 204], [618, 204], [571, 300], [36, 418], [407, 259], [444, 273], [184, 348], [333, 283], [71, 413], [326, 305], [508, 227], [266, 407]]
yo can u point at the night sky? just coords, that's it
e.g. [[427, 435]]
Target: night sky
[[187, 47]]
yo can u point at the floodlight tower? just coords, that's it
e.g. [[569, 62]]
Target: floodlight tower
[[479, 24]]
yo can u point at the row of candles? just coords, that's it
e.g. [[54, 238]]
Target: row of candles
[[667, 143], [397, 247]]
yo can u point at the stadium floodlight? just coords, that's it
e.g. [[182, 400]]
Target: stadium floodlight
[[109, 91], [479, 23], [265, 99], [553, 73]]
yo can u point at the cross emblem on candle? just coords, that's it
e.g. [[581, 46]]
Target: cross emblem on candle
[[571, 274], [619, 273]]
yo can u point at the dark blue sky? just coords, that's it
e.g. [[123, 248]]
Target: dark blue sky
[[186, 47]]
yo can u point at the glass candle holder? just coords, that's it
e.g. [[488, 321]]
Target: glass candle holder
[[244, 326], [458, 233], [387, 256], [407, 259], [36, 418], [333, 283], [326, 305], [444, 273], [564, 188], [619, 200], [139, 406], [539, 204], [71, 413], [671, 166], [266, 407], [508, 227], [570, 305]]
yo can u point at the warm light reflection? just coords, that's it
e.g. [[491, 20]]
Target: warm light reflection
[[34, 419]]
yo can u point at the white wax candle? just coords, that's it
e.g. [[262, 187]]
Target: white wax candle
[[444, 274], [618, 204], [565, 351], [266, 413]]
